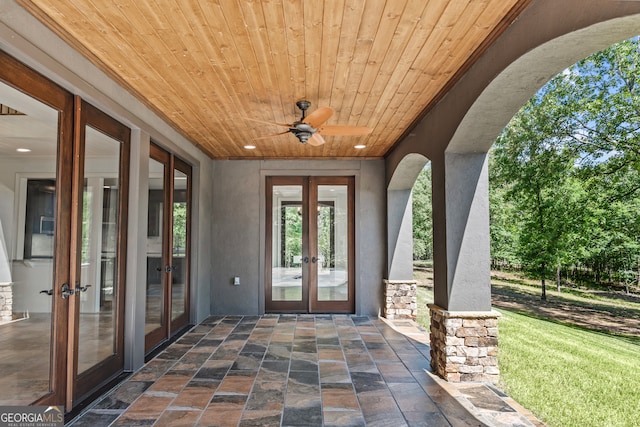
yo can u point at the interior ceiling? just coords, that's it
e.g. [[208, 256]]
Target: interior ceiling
[[206, 65]]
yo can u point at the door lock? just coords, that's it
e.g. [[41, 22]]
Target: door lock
[[67, 291]]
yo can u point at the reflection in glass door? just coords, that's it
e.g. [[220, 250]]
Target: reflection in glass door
[[35, 178], [99, 268], [168, 241], [289, 258], [310, 248], [331, 237]]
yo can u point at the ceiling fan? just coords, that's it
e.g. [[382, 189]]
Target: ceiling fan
[[309, 129]]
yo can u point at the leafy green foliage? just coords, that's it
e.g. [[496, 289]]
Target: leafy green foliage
[[422, 223], [565, 172]]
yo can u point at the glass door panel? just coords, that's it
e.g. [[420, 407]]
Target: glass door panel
[[286, 271], [310, 244], [180, 244], [288, 264], [97, 295], [333, 243], [27, 256], [168, 241], [155, 318], [99, 274]]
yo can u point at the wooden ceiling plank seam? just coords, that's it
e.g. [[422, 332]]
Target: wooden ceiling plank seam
[[281, 35], [254, 91], [122, 34], [398, 106], [257, 32], [175, 38], [331, 29], [371, 17], [210, 38], [188, 93], [352, 16], [241, 40], [278, 47], [313, 14], [390, 69], [366, 69], [407, 63], [170, 40], [76, 44], [419, 83], [515, 8], [331, 25], [292, 10], [391, 18], [216, 95]]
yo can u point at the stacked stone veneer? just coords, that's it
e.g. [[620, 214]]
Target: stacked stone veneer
[[464, 345], [400, 299], [6, 302]]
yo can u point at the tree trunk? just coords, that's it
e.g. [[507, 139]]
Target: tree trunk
[[543, 297], [558, 277]]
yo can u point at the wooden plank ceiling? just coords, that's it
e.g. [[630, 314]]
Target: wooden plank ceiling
[[206, 65]]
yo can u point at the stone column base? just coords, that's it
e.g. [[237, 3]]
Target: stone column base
[[464, 345], [6, 302], [400, 299]]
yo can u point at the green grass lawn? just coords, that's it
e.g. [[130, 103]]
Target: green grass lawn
[[569, 376], [566, 375]]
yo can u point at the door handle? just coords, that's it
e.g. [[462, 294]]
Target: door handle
[[306, 260], [81, 289], [169, 268], [47, 291], [67, 291], [314, 260]]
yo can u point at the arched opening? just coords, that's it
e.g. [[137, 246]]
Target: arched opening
[[457, 135]]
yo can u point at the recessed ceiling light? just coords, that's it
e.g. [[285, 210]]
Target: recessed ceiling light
[[250, 147], [360, 147], [23, 150]]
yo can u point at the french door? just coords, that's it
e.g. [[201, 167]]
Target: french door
[[168, 241], [98, 236], [63, 191], [310, 245]]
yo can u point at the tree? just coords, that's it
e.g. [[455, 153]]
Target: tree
[[535, 165], [568, 171], [422, 222]]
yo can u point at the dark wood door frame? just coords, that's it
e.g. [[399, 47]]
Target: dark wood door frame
[[80, 386], [26, 80], [168, 325], [309, 302]]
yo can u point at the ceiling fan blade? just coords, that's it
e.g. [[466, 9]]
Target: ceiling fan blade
[[344, 130], [268, 123], [318, 117], [271, 136], [316, 140]]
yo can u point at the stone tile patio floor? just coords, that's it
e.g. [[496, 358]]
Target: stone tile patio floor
[[299, 370]]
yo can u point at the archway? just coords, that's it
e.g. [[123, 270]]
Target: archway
[[456, 135]]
